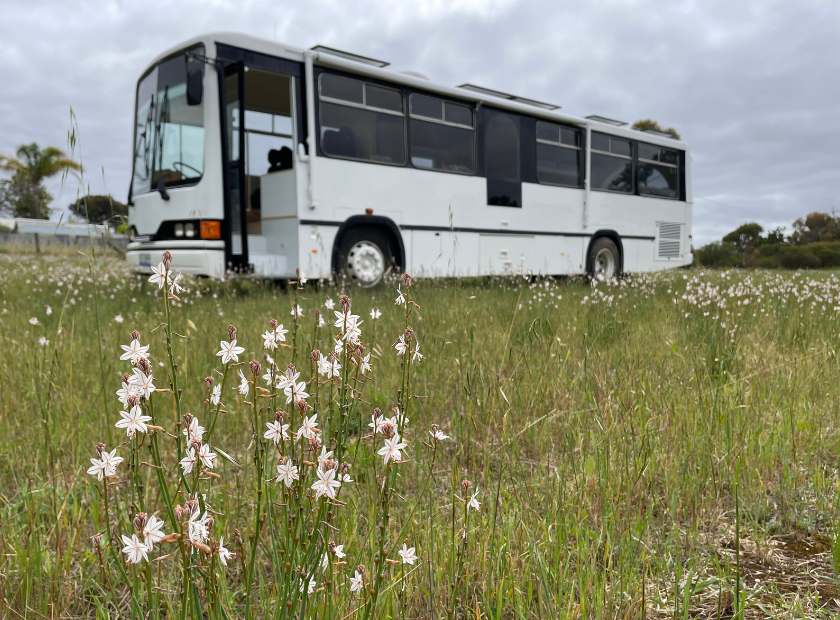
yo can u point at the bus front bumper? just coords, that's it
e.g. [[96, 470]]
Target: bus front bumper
[[204, 258]]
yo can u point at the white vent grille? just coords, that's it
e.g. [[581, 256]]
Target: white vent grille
[[668, 240]]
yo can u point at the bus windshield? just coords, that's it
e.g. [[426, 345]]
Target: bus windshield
[[168, 131]]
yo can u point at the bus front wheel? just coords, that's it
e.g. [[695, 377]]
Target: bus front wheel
[[604, 260], [365, 256]]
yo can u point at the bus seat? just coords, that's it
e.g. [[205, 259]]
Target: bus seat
[[280, 159]]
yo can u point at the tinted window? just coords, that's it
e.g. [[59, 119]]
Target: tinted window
[[651, 152], [612, 173], [658, 180], [457, 113], [435, 146], [385, 98], [341, 87], [620, 147], [358, 133], [558, 165], [424, 105], [502, 164], [600, 142], [548, 131], [610, 144], [570, 136]]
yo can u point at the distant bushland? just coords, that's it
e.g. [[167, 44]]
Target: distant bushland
[[813, 244]]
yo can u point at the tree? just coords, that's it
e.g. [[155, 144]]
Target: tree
[[816, 226], [24, 194], [99, 209], [21, 198], [744, 237], [648, 124]]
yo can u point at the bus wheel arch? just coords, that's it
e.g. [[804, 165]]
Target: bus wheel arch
[[373, 239], [602, 243]]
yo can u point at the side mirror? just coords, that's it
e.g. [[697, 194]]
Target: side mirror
[[195, 80]]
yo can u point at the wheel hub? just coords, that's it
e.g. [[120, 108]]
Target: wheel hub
[[366, 263], [604, 267]]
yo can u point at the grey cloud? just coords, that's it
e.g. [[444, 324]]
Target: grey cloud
[[752, 86]]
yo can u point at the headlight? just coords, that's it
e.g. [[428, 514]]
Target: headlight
[[189, 230], [179, 230]]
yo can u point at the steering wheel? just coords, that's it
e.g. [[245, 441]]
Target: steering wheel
[[180, 165]]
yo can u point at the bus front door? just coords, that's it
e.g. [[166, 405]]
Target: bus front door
[[233, 154]]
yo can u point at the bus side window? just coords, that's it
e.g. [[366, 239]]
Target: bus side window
[[502, 158]]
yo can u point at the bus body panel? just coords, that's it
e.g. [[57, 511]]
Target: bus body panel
[[446, 225]]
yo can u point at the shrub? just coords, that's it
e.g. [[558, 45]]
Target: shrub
[[718, 254], [798, 257]]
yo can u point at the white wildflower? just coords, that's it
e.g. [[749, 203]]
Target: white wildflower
[[287, 473], [229, 351], [392, 450], [133, 421], [135, 550], [408, 554], [276, 431]]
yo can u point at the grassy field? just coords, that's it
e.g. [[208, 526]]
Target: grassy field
[[666, 447]]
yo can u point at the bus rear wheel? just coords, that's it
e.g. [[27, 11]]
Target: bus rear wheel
[[603, 260], [365, 257]]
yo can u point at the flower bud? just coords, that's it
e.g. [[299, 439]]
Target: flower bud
[[466, 484], [96, 541], [278, 415], [100, 448], [388, 428], [303, 406], [231, 332], [191, 505], [273, 324], [407, 280], [255, 367], [208, 382], [344, 300], [167, 259], [134, 335], [315, 355], [140, 521]]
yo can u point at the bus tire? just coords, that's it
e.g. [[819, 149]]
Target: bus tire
[[365, 256], [604, 259]]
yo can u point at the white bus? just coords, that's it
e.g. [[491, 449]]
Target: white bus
[[254, 157]]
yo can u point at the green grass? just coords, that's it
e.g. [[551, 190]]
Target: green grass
[[608, 432]]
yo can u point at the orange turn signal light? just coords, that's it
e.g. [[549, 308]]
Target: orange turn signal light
[[210, 229]]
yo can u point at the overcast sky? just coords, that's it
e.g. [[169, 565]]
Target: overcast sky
[[752, 85]]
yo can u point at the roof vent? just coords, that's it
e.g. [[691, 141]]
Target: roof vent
[[374, 62], [509, 97], [606, 119]]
